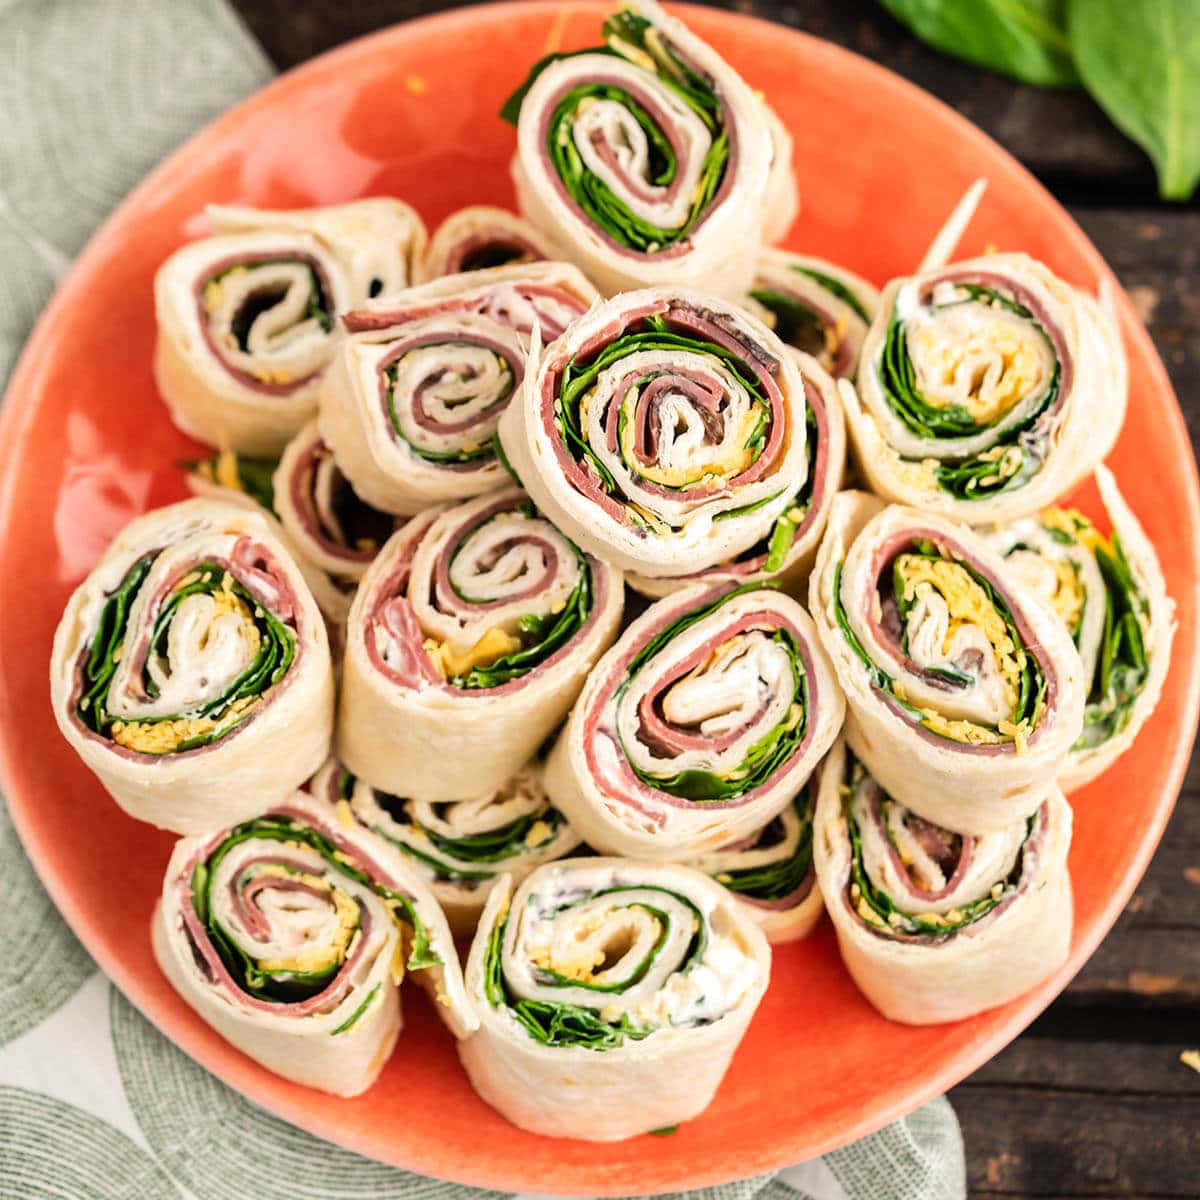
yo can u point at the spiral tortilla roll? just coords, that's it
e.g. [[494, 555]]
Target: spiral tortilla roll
[[611, 996], [327, 524], [771, 871], [814, 306], [415, 392], [191, 669], [468, 640], [664, 432], [479, 237], [648, 160], [1112, 598], [247, 317], [462, 847], [987, 389], [698, 726], [289, 935], [964, 692], [934, 925], [787, 551]]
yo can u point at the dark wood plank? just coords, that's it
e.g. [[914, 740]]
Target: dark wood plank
[[1084, 158], [1156, 254], [1071, 1144], [1088, 1066]]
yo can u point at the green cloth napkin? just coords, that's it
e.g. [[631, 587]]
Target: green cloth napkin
[[94, 1102]]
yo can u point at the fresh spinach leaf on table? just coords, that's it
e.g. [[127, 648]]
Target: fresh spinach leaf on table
[[1023, 38], [1140, 59]]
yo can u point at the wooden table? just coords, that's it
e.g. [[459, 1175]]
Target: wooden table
[[1092, 1100]]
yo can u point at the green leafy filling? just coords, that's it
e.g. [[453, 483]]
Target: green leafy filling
[[256, 476], [352, 1019], [540, 635], [281, 985], [780, 540], [974, 478], [594, 197], [1122, 666], [277, 648], [891, 914], [837, 288], [655, 334], [765, 757], [491, 849], [1031, 693], [775, 880], [795, 322], [551, 1023], [503, 460]]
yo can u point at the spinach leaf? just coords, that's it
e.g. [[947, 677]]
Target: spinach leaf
[[780, 878], [1122, 667], [1141, 63], [489, 850], [795, 323], [1026, 39], [541, 637], [277, 648]]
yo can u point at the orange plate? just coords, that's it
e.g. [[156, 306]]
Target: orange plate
[[86, 445]]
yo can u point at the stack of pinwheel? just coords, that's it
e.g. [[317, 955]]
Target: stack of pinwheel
[[382, 674]]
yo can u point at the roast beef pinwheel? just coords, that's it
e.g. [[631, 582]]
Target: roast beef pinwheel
[[986, 389], [479, 237], [964, 692], [290, 934], [461, 847], [648, 159], [815, 306], [663, 432], [786, 552], [411, 403], [936, 925], [771, 870], [191, 668], [468, 640], [698, 726], [611, 996], [328, 526], [247, 317], [1111, 596]]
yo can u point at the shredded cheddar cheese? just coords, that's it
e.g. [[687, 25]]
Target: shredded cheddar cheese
[[494, 644], [991, 394], [321, 957], [967, 604], [1075, 525], [165, 737]]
